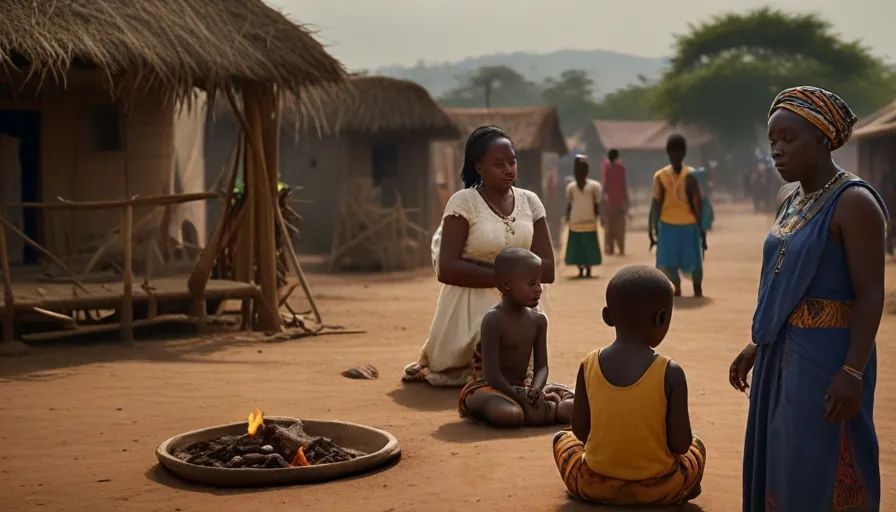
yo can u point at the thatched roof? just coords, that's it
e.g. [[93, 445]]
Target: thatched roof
[[641, 135], [173, 44], [377, 104], [529, 127], [882, 122]]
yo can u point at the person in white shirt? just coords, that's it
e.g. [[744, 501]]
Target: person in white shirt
[[582, 213]]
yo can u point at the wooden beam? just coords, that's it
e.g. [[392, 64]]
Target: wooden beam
[[136, 202], [127, 298]]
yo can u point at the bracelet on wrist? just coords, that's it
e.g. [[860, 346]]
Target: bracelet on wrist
[[852, 371]]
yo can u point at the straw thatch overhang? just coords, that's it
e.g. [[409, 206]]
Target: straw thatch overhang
[[882, 122], [530, 128], [371, 105], [172, 45], [380, 104]]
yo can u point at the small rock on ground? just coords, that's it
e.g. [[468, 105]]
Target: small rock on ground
[[365, 371]]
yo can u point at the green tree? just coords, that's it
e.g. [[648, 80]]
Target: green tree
[[632, 103], [573, 94], [493, 86], [725, 73]]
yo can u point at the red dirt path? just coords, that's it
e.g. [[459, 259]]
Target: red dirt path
[[80, 422]]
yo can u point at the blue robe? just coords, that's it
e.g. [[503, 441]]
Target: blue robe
[[794, 459]]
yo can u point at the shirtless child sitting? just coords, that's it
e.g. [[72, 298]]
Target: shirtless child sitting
[[631, 440], [511, 333]]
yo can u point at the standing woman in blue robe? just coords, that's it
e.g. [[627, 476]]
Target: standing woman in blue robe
[[810, 440]]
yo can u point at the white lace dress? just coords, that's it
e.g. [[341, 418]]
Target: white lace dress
[[446, 359]]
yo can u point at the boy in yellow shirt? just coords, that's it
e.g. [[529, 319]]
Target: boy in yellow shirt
[[675, 225], [631, 441]]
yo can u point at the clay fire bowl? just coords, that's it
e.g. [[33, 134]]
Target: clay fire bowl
[[380, 446]]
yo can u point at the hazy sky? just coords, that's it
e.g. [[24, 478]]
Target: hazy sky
[[371, 33]]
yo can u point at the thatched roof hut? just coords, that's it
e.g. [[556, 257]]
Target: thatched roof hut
[[174, 46], [89, 90], [380, 104], [378, 129], [882, 122], [875, 137], [90, 86], [531, 128]]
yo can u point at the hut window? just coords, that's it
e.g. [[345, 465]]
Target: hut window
[[385, 164], [106, 124]]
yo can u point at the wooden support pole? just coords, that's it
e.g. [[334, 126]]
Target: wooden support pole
[[202, 271], [293, 261], [246, 245], [9, 320], [257, 101], [152, 303], [127, 298], [9, 347]]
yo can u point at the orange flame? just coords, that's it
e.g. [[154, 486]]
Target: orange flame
[[256, 421], [299, 459]]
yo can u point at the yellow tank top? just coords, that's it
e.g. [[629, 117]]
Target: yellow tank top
[[628, 425], [675, 209]]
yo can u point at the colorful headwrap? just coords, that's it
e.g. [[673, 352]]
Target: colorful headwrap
[[824, 109]]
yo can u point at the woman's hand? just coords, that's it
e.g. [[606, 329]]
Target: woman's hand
[[844, 398], [740, 368]]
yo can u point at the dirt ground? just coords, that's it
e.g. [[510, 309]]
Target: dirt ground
[[80, 422]]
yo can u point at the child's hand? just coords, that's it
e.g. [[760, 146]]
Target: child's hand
[[522, 398], [534, 395]]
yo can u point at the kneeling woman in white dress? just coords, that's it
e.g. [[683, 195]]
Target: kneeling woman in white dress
[[485, 218]]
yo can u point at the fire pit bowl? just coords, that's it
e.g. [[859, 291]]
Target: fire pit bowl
[[379, 446]]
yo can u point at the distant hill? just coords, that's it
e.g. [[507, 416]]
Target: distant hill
[[609, 70]]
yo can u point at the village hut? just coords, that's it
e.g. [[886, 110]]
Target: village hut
[[376, 132], [88, 98], [875, 138], [641, 145], [539, 144]]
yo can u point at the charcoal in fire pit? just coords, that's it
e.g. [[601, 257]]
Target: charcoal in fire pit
[[324, 451], [275, 447]]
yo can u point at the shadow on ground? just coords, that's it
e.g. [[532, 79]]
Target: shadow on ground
[[162, 476], [468, 432], [692, 302], [574, 505], [156, 346], [423, 397]]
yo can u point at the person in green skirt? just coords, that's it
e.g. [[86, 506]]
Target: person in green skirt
[[582, 213]]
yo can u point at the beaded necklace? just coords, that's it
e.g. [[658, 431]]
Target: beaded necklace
[[798, 212]]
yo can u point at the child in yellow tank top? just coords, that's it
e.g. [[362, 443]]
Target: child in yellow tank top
[[631, 441]]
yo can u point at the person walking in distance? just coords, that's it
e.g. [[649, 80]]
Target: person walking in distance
[[675, 224], [582, 212], [616, 202]]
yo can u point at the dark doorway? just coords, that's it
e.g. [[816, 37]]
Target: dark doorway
[[385, 172], [25, 126]]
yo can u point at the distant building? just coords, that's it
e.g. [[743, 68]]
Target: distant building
[[875, 137], [641, 145]]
